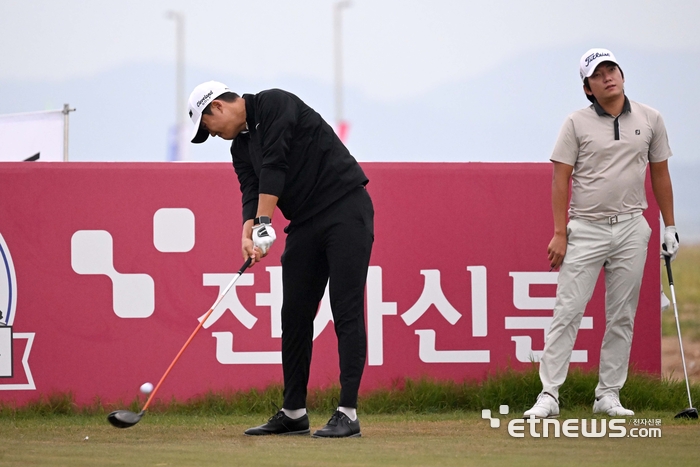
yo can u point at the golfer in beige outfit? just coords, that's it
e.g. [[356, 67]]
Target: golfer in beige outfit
[[604, 149]]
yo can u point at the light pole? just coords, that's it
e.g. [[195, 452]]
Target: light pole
[[179, 19], [66, 110], [341, 124]]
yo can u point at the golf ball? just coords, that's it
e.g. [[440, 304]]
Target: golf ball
[[146, 388]]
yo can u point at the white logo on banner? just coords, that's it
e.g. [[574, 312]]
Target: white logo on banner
[[8, 310], [8, 285], [377, 308], [133, 294], [433, 295], [523, 301], [224, 340], [174, 232]]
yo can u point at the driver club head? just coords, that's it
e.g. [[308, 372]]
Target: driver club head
[[688, 413], [124, 418]]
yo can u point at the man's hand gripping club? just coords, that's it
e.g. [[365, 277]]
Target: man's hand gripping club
[[671, 242], [263, 237], [258, 234], [257, 240]]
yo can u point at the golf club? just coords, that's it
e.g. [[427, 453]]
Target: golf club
[[690, 412], [126, 418]]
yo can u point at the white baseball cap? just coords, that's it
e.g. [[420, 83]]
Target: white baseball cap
[[200, 98], [591, 59]]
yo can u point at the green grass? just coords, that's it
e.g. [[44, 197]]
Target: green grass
[[447, 439], [515, 389]]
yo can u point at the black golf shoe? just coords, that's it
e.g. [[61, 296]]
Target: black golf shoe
[[339, 426], [280, 424]]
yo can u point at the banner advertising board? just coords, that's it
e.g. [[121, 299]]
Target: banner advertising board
[[106, 268]]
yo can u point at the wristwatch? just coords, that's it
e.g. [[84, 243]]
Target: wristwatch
[[262, 220]]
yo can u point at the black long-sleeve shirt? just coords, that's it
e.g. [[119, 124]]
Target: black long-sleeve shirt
[[289, 151]]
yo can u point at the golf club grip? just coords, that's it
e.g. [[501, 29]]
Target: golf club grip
[[245, 266], [667, 260], [194, 333]]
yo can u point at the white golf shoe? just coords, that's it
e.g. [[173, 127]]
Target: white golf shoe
[[545, 407], [611, 405]]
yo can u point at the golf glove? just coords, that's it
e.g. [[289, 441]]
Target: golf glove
[[671, 242], [263, 237]]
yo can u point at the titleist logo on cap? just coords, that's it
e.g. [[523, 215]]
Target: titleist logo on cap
[[593, 56], [206, 96]]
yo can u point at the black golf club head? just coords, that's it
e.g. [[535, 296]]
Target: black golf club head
[[688, 413], [124, 418]]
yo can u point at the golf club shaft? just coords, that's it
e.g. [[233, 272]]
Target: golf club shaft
[[678, 326], [196, 330]]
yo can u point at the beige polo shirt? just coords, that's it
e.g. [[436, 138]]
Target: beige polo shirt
[[610, 157]]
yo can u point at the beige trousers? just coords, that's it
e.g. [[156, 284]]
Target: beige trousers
[[621, 250]]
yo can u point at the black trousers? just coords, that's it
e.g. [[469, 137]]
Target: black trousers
[[335, 244]]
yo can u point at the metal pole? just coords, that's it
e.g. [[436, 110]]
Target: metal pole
[[66, 111], [179, 19], [338, 54]]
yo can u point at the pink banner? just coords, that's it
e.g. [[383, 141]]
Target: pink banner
[[106, 267]]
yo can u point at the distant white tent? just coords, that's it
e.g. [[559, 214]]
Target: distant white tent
[[23, 136]]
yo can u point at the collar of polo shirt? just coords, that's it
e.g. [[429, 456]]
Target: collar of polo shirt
[[626, 107]]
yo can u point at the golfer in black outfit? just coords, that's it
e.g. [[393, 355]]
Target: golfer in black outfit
[[286, 155]]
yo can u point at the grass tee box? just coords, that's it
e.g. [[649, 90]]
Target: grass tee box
[[448, 439], [113, 264]]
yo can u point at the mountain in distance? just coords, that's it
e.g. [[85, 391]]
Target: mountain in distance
[[512, 112]]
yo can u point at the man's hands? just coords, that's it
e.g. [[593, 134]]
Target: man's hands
[[671, 242], [263, 237], [556, 250], [256, 241]]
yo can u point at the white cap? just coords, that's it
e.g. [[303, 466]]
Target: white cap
[[591, 59], [200, 98]]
